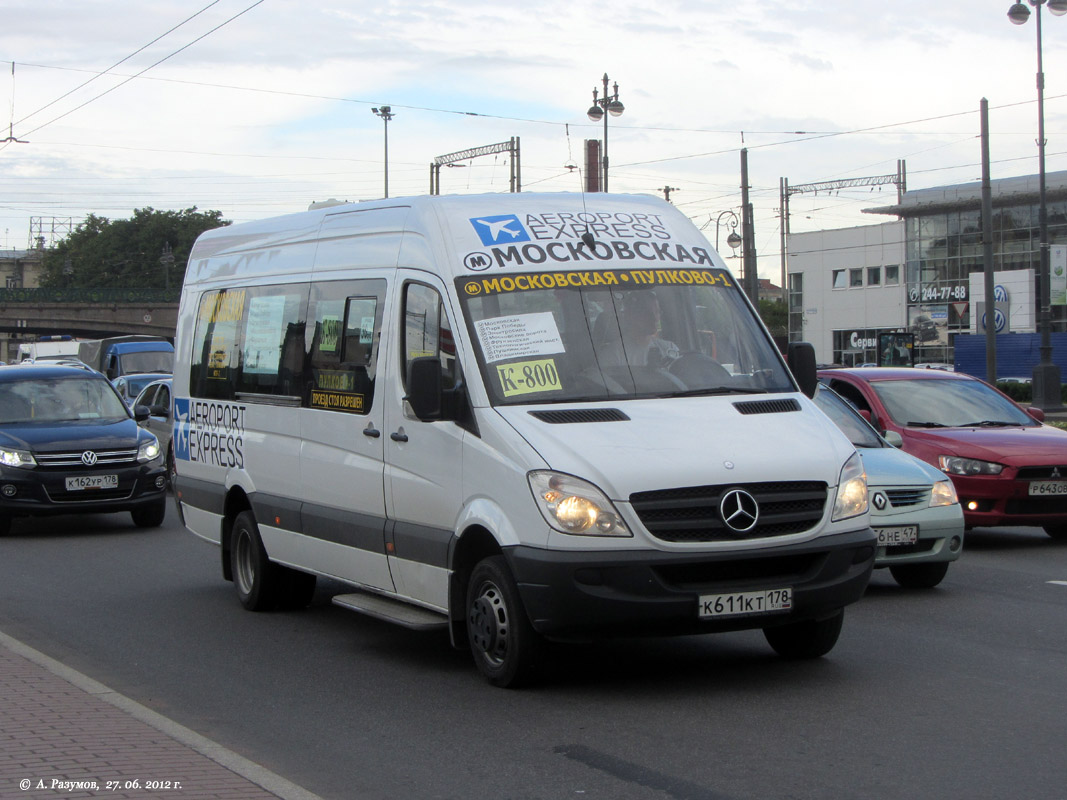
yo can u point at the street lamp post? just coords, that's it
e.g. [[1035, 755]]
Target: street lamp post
[[1046, 377], [733, 238], [386, 113], [612, 106]]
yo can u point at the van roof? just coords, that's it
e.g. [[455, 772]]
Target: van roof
[[461, 235]]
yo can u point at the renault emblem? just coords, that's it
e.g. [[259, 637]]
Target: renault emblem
[[880, 501], [88, 458], [739, 510]]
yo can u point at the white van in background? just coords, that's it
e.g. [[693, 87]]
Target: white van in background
[[520, 416]]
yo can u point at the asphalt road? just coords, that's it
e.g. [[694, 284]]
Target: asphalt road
[[957, 692]]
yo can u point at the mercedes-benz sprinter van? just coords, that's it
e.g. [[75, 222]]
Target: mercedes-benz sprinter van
[[518, 416]]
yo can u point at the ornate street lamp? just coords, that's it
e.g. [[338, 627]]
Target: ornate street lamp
[[733, 238], [614, 107], [1046, 378], [386, 113]]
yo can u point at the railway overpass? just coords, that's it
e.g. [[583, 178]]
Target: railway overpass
[[26, 314]]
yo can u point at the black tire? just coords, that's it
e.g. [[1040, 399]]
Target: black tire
[[1058, 532], [506, 648], [919, 576], [259, 583], [172, 470], [808, 639], [150, 515]]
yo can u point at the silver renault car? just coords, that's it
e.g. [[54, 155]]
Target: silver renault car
[[914, 507]]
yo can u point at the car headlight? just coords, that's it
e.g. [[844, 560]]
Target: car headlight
[[571, 505], [955, 465], [17, 458], [944, 494], [148, 451], [851, 498]]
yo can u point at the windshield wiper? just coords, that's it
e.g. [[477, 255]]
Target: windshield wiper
[[989, 423], [924, 425], [714, 390]]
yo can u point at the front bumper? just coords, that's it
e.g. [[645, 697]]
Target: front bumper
[[650, 592], [1002, 500], [940, 537], [37, 492]]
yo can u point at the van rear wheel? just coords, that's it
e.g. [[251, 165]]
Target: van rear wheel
[[505, 646], [258, 582], [808, 639]]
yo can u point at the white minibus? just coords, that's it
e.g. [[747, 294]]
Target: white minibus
[[520, 417]]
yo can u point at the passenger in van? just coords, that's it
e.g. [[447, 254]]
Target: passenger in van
[[641, 344]]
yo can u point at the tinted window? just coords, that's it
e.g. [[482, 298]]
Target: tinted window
[[346, 323]]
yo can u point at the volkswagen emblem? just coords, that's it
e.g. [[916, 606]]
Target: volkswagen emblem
[[739, 510], [880, 501], [88, 458]]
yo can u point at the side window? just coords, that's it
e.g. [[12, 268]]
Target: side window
[[272, 343], [427, 332], [251, 341], [215, 356], [162, 398], [850, 393], [345, 328]]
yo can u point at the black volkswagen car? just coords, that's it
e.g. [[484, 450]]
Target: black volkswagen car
[[69, 445]]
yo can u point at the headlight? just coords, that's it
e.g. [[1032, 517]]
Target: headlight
[[571, 505], [17, 458], [944, 494], [851, 490], [955, 465], [148, 451]]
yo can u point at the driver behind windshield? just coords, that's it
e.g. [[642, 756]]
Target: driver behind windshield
[[641, 344]]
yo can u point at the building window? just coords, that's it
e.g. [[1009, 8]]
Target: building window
[[874, 276], [855, 278], [839, 279], [11, 282], [892, 274]]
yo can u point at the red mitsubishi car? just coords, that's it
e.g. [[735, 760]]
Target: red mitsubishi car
[[1008, 467]]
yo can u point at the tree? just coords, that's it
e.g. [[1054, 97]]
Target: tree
[[775, 316], [126, 253]]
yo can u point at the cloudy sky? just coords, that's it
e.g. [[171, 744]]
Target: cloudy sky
[[257, 108]]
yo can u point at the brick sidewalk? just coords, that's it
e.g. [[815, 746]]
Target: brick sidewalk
[[61, 733]]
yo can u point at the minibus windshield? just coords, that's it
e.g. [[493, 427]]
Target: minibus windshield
[[595, 335]]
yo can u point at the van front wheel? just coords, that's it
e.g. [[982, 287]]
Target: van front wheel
[[505, 646], [808, 639]]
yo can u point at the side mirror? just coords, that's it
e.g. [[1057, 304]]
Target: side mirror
[[141, 413], [800, 357], [1036, 413], [424, 388], [894, 438]]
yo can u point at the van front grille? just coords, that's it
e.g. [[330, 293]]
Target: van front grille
[[692, 514]]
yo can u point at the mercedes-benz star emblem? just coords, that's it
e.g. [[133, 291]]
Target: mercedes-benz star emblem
[[88, 458], [880, 501], [739, 510]]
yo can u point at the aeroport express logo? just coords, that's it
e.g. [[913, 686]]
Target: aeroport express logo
[[180, 434], [503, 229]]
